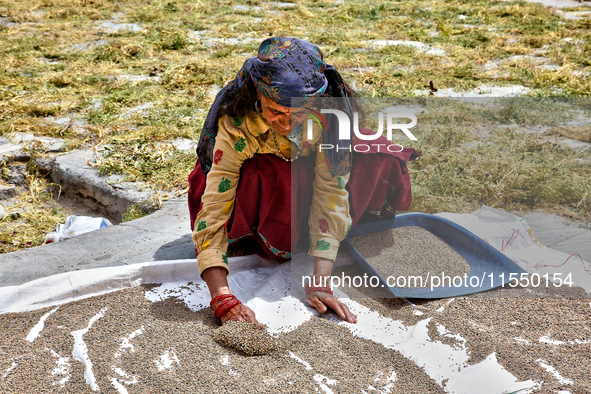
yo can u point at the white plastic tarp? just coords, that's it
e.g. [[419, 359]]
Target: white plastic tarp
[[266, 289], [511, 235]]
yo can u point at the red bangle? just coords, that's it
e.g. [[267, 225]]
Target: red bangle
[[220, 297], [228, 301], [325, 289], [226, 306]]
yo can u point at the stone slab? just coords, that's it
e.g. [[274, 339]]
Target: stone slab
[[7, 192], [561, 3], [166, 235], [81, 182], [579, 244], [163, 235], [560, 233]]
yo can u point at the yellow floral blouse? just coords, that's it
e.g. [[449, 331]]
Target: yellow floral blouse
[[239, 139]]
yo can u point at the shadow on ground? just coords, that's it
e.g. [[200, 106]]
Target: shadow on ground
[[181, 248]]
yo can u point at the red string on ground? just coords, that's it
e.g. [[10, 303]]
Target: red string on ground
[[512, 238], [587, 269]]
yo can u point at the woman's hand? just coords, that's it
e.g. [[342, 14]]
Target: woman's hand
[[325, 301], [216, 280], [240, 313], [322, 300]]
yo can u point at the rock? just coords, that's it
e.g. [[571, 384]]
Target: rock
[[44, 164], [6, 21], [6, 192], [213, 91], [7, 148], [559, 3], [280, 4], [480, 92], [196, 35], [137, 78], [97, 103], [420, 46], [184, 144], [210, 42], [2, 211], [23, 156], [90, 45], [246, 8], [113, 27], [139, 109], [81, 183], [48, 143], [18, 174]]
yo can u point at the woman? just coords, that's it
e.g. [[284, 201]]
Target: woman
[[247, 174]]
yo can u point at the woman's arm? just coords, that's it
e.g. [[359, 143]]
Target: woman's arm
[[329, 223], [329, 214], [210, 236]]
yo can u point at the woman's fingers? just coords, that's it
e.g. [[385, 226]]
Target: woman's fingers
[[344, 312], [340, 309], [243, 313], [240, 312], [249, 314], [230, 315], [350, 317], [336, 306], [316, 303]]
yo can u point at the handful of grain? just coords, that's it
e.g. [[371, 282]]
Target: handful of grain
[[248, 338], [410, 251]]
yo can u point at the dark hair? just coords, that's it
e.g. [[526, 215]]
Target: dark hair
[[242, 102], [246, 98]]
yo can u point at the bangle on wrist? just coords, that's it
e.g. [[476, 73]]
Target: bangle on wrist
[[321, 280], [223, 303]]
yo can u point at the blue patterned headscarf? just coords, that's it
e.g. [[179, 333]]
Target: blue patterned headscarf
[[285, 68]]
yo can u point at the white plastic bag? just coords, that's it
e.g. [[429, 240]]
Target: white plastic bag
[[76, 225]]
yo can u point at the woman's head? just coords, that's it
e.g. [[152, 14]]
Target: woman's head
[[284, 68], [287, 67]]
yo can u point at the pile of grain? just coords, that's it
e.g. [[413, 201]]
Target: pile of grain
[[141, 346], [250, 339], [172, 350], [410, 251]]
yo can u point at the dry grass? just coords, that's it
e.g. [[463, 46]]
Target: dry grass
[[497, 153], [58, 61], [580, 133], [30, 218]]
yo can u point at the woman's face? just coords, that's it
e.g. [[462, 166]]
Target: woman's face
[[281, 118]]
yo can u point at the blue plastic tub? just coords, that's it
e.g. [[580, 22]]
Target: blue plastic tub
[[491, 267]]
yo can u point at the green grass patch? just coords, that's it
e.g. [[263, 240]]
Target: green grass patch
[[57, 62]]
